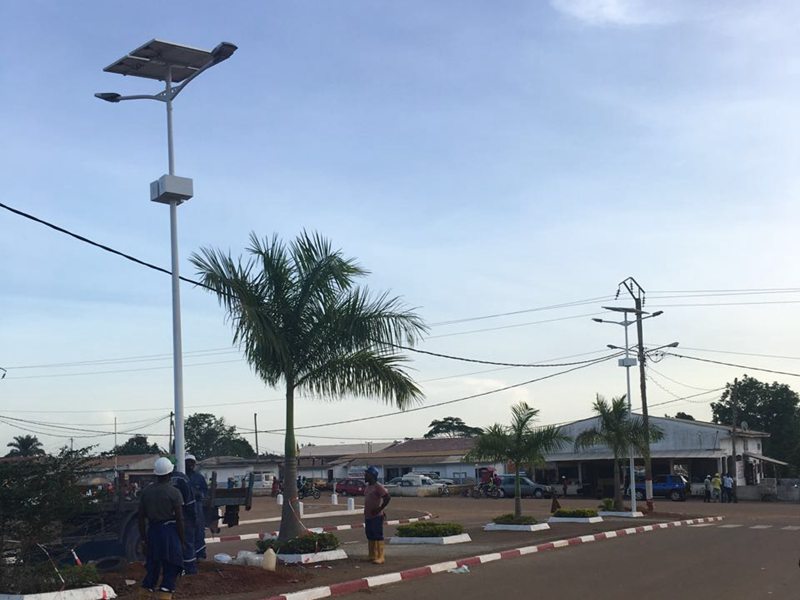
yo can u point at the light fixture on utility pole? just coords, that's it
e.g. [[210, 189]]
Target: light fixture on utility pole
[[172, 64], [638, 298]]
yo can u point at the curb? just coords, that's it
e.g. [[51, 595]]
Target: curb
[[366, 583], [268, 534]]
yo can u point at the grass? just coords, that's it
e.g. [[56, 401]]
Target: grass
[[310, 543], [509, 519], [428, 529], [575, 513]]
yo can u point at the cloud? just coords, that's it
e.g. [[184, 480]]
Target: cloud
[[616, 12]]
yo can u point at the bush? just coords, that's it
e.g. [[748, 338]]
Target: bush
[[606, 504], [42, 577], [429, 529], [510, 519], [305, 544], [579, 513]]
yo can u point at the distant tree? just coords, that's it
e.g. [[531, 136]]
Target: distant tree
[[207, 435], [617, 430], [25, 445], [520, 443], [684, 416], [770, 407], [135, 445], [451, 427]]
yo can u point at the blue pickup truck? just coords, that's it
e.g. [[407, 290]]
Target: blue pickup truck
[[674, 487]]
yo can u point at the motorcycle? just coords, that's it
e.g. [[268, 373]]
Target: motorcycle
[[308, 491], [487, 490]]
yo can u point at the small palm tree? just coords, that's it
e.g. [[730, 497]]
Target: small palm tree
[[619, 431], [519, 443], [25, 445], [301, 320]]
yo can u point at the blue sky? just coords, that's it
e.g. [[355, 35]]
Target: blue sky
[[476, 159]]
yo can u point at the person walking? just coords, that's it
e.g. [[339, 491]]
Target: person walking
[[716, 486], [707, 488], [199, 490], [564, 485], [161, 533], [376, 498]]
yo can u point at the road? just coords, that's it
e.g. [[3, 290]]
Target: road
[[741, 557]]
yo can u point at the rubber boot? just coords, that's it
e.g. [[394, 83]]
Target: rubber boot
[[162, 595], [379, 559], [372, 553], [145, 594]]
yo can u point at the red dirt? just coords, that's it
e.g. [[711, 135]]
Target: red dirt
[[213, 579]]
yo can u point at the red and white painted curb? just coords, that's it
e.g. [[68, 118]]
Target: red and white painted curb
[[356, 585], [270, 534]]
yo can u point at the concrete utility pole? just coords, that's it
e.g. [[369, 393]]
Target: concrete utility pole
[[637, 293], [255, 428], [732, 459]]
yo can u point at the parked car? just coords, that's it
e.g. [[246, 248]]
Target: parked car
[[674, 487], [351, 487], [434, 476], [527, 487]]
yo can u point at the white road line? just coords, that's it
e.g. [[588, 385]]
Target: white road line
[[702, 525], [730, 526], [791, 528], [761, 527]]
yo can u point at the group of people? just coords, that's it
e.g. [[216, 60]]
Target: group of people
[[171, 526], [719, 489]]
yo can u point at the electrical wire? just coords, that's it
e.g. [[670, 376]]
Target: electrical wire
[[500, 364], [727, 364], [513, 326], [687, 398], [127, 359], [159, 408], [686, 385], [447, 402], [117, 371]]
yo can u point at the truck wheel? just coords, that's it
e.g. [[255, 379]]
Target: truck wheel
[[639, 495], [538, 493], [675, 496], [316, 494]]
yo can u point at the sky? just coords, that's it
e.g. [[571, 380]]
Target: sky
[[476, 158]]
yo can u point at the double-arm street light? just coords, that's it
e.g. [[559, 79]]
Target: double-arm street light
[[172, 64]]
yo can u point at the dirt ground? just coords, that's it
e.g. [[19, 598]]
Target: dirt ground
[[225, 580]]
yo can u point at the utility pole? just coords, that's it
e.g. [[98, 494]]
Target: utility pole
[[732, 460], [71, 440], [115, 450], [171, 426], [637, 293], [255, 428]]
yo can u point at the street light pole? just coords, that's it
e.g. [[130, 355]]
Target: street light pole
[[170, 63]]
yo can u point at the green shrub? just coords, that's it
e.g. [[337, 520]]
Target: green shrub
[[510, 519], [579, 513], [305, 544], [429, 529], [606, 504]]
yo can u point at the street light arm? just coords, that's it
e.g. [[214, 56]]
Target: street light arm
[[114, 98]]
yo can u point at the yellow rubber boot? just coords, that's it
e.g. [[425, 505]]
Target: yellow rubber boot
[[379, 558], [162, 595], [372, 554], [145, 594]]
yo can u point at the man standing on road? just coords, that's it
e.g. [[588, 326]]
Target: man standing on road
[[375, 500], [716, 487], [564, 485], [727, 488], [161, 533], [199, 488], [707, 489]]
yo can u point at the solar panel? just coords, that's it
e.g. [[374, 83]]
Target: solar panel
[[153, 60]]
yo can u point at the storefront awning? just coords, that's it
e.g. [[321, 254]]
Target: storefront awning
[[607, 455], [774, 461]]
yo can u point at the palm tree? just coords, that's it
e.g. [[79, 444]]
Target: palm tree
[[25, 445], [300, 319], [519, 443], [619, 431]]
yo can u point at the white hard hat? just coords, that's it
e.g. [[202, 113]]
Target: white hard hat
[[163, 466], [190, 457]]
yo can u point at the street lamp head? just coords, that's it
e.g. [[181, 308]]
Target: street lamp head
[[596, 320], [613, 347], [672, 345], [223, 51], [108, 96], [625, 309], [657, 313]]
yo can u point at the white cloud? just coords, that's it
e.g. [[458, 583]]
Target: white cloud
[[617, 12]]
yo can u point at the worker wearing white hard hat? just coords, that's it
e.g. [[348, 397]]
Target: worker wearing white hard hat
[[161, 533]]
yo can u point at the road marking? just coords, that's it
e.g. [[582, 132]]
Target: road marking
[[791, 528], [761, 527], [730, 526], [702, 525]]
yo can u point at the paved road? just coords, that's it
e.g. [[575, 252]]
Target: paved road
[[738, 558]]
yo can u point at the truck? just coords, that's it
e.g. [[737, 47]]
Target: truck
[[674, 487], [109, 528]]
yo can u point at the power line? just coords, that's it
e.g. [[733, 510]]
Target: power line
[[513, 326], [524, 310], [741, 353], [117, 371], [462, 399], [125, 359], [159, 408], [741, 291], [689, 398], [500, 364], [718, 362], [660, 374]]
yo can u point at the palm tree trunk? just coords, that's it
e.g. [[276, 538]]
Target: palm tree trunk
[[517, 493], [617, 484], [290, 519]]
